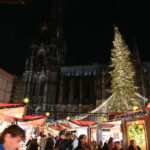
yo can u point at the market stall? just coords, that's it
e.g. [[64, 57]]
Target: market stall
[[33, 120], [10, 111], [93, 133], [31, 124], [83, 127], [109, 129], [8, 114], [136, 126]]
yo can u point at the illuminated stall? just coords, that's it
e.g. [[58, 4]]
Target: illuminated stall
[[31, 124], [109, 129], [93, 133], [136, 126], [83, 127], [9, 113]]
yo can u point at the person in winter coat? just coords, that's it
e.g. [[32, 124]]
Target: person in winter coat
[[133, 145], [75, 142], [33, 144], [69, 141], [117, 146], [49, 143], [83, 143], [43, 142], [60, 144], [29, 142], [100, 146]]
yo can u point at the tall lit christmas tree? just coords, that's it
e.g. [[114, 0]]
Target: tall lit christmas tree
[[122, 84]]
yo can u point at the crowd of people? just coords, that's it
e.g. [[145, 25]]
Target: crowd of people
[[13, 136]]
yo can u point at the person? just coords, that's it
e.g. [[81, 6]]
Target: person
[[94, 145], [110, 144], [50, 143], [83, 143], [11, 138], [60, 144], [75, 142], [34, 144], [42, 142], [133, 145], [100, 145], [29, 142], [117, 146], [105, 146], [69, 141]]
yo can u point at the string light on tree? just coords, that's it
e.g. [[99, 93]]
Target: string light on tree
[[122, 74]]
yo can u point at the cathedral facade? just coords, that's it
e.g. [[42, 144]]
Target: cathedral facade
[[54, 87]]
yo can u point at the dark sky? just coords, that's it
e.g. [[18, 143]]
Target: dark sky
[[88, 27]]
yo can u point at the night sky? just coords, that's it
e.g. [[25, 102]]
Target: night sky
[[88, 27]]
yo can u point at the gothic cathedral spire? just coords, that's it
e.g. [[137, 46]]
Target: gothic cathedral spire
[[43, 66]]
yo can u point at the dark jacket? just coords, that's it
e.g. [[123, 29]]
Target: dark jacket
[[49, 144], [132, 148], [28, 144], [69, 144], [83, 147], [60, 145], [33, 145]]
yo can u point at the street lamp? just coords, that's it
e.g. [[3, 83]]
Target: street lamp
[[68, 118], [26, 100], [135, 108], [47, 114]]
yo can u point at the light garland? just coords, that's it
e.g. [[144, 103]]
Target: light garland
[[83, 116], [135, 114]]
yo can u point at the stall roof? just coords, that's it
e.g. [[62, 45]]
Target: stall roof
[[82, 122], [109, 124], [7, 105], [56, 127], [67, 125], [11, 111], [30, 118], [139, 112]]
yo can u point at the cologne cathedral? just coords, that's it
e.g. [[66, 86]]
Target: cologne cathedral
[[54, 87]]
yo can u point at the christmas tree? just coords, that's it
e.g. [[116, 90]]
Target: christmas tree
[[122, 74]]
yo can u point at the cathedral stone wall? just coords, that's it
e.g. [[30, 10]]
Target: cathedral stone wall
[[53, 86]]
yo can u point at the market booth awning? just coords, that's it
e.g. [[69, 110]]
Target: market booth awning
[[82, 122], [59, 128], [109, 124], [10, 111], [139, 112], [73, 124], [33, 120], [66, 126]]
